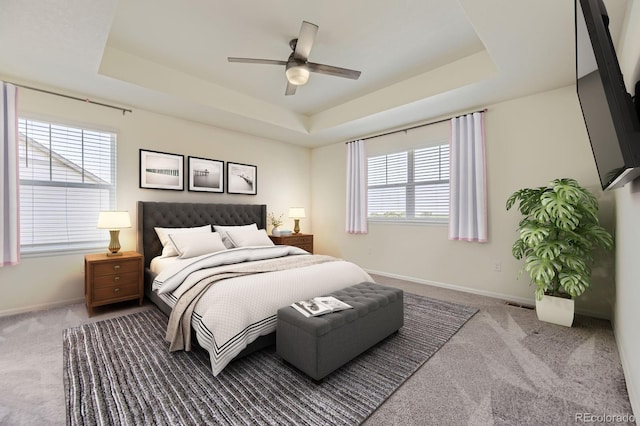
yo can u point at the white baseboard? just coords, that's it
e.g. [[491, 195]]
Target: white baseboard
[[506, 297], [634, 394], [40, 307]]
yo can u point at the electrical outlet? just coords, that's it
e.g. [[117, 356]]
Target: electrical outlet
[[497, 266]]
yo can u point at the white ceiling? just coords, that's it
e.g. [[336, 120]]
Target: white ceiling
[[420, 59]]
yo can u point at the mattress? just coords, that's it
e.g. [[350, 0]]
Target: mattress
[[233, 312]]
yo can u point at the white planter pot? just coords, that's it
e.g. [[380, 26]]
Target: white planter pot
[[556, 310]]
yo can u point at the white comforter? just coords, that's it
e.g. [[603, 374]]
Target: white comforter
[[236, 311]]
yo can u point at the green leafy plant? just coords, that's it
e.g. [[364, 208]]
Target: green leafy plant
[[558, 232]]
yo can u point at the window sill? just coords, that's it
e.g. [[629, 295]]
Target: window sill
[[32, 253], [437, 222]]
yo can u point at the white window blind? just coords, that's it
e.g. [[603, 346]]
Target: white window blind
[[67, 176], [410, 185]]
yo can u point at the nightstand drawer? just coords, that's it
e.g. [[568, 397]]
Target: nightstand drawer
[[116, 267], [307, 247], [297, 241], [304, 241], [115, 280], [113, 292]]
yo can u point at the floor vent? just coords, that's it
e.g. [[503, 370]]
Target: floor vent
[[518, 305]]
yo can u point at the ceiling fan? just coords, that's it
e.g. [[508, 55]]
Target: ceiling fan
[[297, 68]]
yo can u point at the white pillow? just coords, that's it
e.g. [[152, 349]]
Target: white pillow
[[163, 234], [192, 244], [222, 230], [249, 237]]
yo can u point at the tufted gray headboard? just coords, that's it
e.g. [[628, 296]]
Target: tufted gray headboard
[[182, 215]]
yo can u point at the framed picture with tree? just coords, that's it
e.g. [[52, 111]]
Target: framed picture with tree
[[242, 178]]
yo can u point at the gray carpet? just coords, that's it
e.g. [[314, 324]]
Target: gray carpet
[[118, 371], [503, 367]]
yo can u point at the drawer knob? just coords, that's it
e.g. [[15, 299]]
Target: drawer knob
[[116, 267], [115, 290], [116, 278]]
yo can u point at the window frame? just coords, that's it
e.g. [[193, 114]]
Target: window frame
[[410, 189], [71, 247]]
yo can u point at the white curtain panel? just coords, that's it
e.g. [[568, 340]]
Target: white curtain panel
[[468, 205], [356, 188], [9, 176]]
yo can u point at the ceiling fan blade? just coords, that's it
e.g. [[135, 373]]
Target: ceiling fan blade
[[335, 71], [257, 61], [291, 89], [305, 41]]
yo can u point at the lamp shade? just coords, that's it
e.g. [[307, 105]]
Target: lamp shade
[[297, 75], [296, 212], [114, 220]]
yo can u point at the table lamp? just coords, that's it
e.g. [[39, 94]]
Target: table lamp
[[296, 213], [114, 221]]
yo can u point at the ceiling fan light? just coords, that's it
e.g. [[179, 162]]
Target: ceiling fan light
[[297, 75]]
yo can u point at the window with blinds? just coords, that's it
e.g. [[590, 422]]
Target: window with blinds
[[410, 185], [67, 176]]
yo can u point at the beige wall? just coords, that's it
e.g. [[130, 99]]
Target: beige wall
[[529, 141], [283, 181], [626, 317]]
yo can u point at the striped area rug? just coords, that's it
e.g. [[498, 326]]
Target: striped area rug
[[119, 372]]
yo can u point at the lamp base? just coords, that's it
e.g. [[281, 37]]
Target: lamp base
[[296, 226], [114, 244]]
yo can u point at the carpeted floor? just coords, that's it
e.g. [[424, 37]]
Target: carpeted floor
[[502, 367], [118, 371]]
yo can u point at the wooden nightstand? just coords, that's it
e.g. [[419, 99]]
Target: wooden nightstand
[[304, 241], [111, 279]]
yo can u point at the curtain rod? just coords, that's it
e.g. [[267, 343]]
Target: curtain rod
[[87, 100], [418, 126]]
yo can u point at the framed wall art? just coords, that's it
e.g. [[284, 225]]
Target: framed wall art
[[161, 170], [205, 175], [242, 179]]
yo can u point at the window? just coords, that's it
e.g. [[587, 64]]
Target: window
[[410, 185], [67, 176]]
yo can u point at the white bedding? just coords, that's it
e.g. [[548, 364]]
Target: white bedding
[[236, 311], [158, 264]]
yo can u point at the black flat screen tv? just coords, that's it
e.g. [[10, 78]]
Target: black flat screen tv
[[611, 119]]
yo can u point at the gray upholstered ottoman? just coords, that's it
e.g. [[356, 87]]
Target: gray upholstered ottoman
[[319, 345]]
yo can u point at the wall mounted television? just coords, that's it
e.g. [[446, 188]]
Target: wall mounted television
[[612, 122]]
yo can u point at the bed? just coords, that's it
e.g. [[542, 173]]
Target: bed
[[235, 310]]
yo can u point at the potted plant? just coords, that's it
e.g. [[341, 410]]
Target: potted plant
[[275, 222], [558, 232]]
